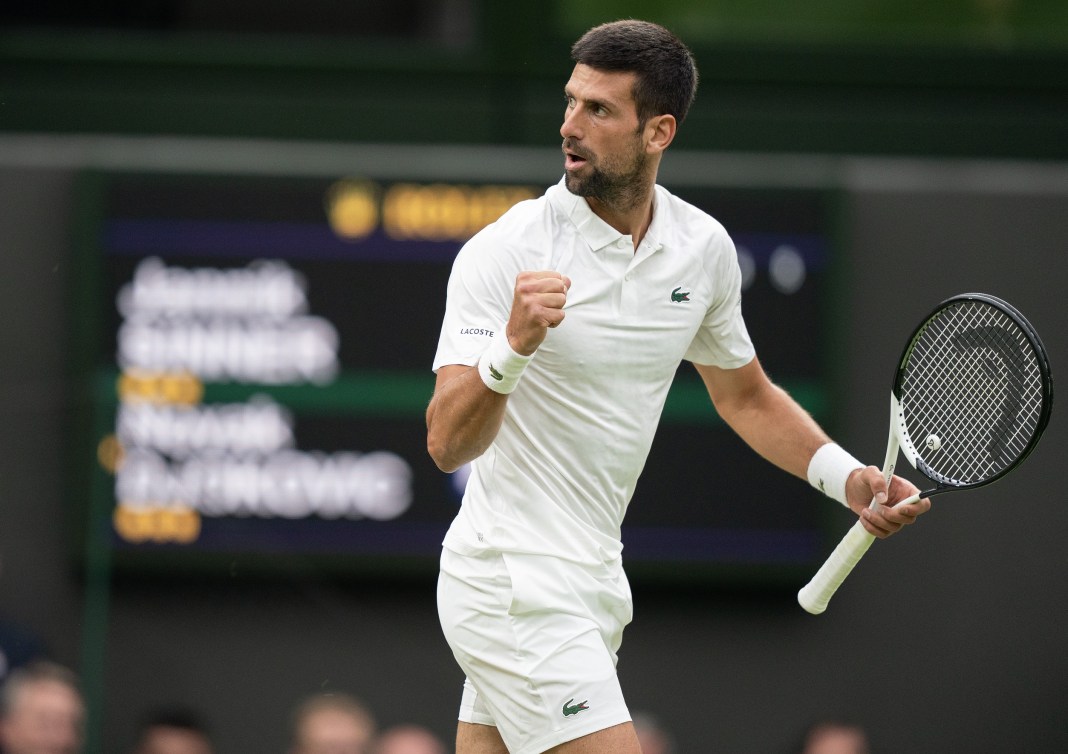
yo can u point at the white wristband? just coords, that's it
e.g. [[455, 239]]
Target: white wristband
[[500, 367], [829, 469]]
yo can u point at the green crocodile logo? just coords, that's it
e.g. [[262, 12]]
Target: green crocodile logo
[[495, 374], [677, 297], [573, 709]]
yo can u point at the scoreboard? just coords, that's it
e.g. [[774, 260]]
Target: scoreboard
[[256, 352]]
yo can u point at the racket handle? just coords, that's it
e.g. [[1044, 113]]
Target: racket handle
[[815, 595]]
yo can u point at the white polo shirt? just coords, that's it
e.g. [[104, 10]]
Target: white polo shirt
[[577, 430]]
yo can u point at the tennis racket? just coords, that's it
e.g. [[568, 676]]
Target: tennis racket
[[972, 395]]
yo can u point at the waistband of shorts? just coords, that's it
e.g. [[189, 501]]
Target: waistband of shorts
[[607, 569]]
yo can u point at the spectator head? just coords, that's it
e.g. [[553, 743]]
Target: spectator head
[[332, 724], [41, 710]]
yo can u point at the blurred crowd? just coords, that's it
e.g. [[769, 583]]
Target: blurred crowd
[[42, 711]]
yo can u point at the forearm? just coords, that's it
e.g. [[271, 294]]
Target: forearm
[[764, 415], [463, 418], [776, 427]]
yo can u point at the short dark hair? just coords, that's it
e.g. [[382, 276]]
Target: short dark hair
[[666, 73]]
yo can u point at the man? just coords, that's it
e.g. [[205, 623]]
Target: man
[[41, 711], [172, 731], [332, 724], [559, 343], [653, 737], [834, 737], [407, 738]]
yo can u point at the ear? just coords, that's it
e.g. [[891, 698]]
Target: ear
[[659, 133]]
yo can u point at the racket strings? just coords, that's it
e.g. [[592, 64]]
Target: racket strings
[[973, 380]]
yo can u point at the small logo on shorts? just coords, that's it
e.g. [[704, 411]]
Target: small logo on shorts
[[573, 709]]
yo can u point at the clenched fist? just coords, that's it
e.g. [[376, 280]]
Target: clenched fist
[[537, 304]]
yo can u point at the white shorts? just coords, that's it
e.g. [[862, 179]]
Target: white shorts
[[537, 638]]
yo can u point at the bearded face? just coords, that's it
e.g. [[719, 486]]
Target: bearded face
[[605, 155], [610, 177]]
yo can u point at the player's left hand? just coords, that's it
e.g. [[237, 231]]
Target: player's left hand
[[884, 519]]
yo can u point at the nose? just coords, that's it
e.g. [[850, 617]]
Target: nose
[[570, 126]]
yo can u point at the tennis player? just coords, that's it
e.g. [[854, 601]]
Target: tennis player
[[565, 322]]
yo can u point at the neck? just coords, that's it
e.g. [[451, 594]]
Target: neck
[[630, 214]]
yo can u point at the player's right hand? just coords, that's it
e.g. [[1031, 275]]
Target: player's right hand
[[886, 518], [537, 304]]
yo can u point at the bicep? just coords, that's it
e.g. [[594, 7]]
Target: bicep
[[731, 390]]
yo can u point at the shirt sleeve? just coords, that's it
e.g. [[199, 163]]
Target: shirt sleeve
[[723, 339], [478, 301]]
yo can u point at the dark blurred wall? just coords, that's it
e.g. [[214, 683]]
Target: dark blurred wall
[[956, 627], [36, 584]]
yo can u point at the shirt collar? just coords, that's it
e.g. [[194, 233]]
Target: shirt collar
[[595, 231]]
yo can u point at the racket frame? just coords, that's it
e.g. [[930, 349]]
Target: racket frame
[[908, 447]]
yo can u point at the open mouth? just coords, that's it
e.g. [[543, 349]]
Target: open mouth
[[573, 160]]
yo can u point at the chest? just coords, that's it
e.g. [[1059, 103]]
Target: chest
[[629, 313]]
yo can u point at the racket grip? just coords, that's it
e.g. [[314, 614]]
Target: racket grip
[[815, 595]]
